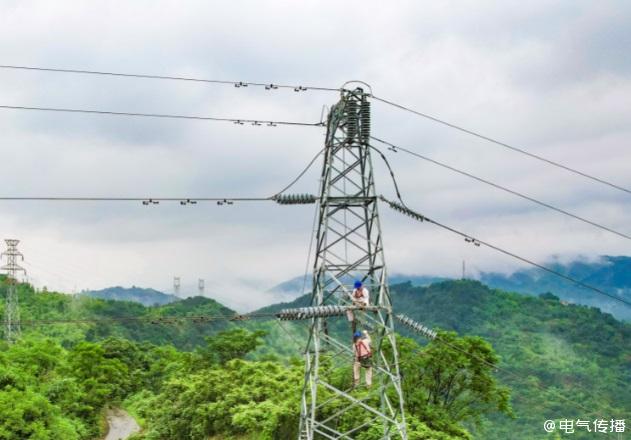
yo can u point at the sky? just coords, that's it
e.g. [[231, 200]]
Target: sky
[[552, 78]]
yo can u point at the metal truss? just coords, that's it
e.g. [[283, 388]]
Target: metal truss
[[11, 309], [348, 247]]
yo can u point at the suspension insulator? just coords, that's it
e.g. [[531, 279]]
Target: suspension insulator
[[352, 121], [295, 199], [364, 116], [404, 210], [418, 327], [311, 312]]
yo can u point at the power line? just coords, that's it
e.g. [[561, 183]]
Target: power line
[[166, 320], [183, 200], [387, 162], [299, 176], [420, 217], [297, 88], [65, 279], [237, 84], [396, 148], [269, 123], [503, 144], [149, 200], [297, 343], [402, 208]]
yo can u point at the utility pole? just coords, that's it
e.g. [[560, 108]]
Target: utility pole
[[349, 248], [201, 287], [176, 286], [11, 309]]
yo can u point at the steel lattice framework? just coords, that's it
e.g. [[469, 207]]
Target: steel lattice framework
[[11, 308], [348, 247]]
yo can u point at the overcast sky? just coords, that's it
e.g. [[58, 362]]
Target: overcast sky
[[553, 78]]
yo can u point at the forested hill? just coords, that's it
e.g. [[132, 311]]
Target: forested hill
[[553, 347], [609, 273], [56, 380], [146, 297], [612, 274], [99, 319], [574, 350]]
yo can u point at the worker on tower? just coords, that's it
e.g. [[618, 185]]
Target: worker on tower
[[362, 353], [359, 298]]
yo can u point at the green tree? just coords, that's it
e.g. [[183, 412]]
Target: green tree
[[238, 398], [27, 415], [451, 380], [103, 379], [231, 344]]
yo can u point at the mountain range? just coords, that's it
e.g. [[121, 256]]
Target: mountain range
[[609, 273], [558, 358], [146, 297]]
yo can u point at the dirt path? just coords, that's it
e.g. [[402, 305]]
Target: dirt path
[[121, 425]]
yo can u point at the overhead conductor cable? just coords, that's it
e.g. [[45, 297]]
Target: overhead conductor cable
[[258, 122], [419, 217], [396, 148], [236, 84], [503, 144]]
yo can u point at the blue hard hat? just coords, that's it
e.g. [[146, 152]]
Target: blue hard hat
[[357, 334], [358, 284]]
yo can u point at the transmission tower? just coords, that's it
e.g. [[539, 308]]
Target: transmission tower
[[201, 286], [176, 286], [350, 247], [11, 308]]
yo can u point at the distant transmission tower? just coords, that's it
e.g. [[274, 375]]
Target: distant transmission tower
[[11, 308], [176, 286], [350, 247], [201, 287]]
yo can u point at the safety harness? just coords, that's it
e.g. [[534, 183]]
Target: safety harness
[[365, 357]]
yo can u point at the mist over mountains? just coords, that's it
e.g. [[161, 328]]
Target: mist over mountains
[[609, 273]]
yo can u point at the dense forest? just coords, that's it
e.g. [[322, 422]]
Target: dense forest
[[216, 378]]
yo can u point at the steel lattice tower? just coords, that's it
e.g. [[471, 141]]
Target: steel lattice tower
[[11, 308], [176, 286], [349, 246]]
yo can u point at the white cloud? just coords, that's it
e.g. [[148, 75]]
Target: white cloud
[[548, 78]]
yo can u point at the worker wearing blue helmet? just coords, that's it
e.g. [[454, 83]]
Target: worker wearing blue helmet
[[360, 297]]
